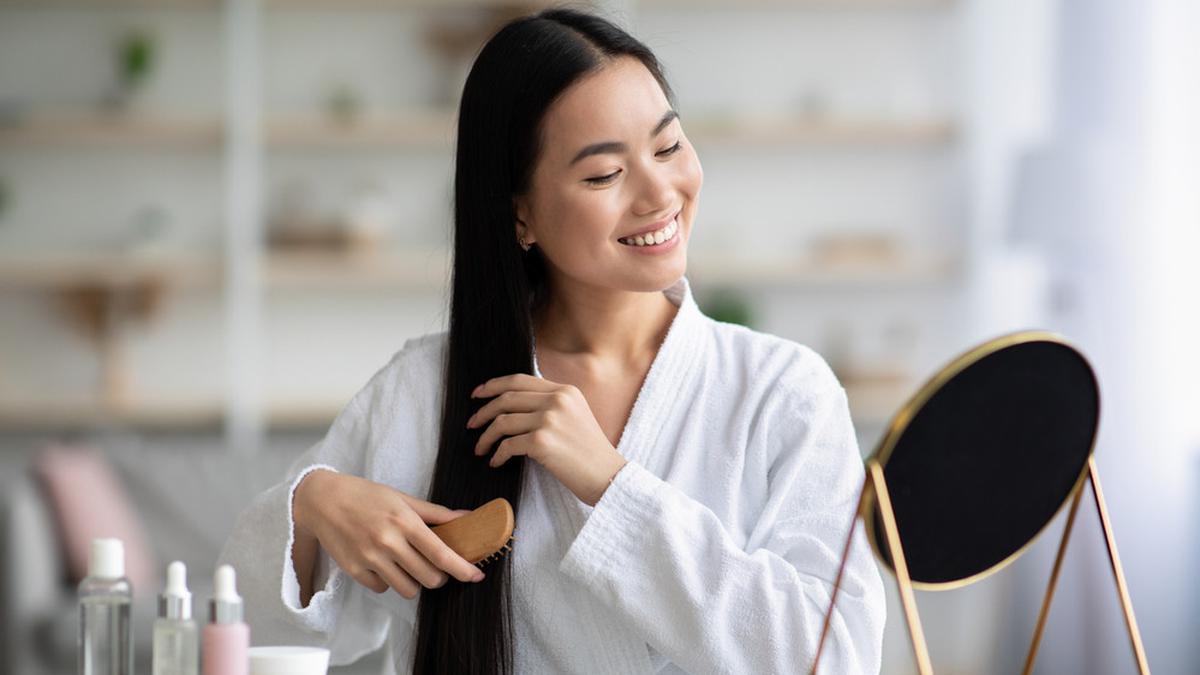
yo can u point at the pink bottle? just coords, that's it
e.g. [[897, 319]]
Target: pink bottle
[[226, 637]]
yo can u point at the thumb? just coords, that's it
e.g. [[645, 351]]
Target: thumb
[[434, 514]]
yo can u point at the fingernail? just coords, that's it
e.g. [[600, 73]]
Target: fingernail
[[463, 511], [478, 576]]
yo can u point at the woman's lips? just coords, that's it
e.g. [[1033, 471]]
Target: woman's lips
[[659, 237], [654, 226]]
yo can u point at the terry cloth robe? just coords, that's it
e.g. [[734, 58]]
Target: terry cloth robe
[[713, 550]]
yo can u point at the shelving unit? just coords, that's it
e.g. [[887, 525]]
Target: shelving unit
[[431, 129], [252, 131]]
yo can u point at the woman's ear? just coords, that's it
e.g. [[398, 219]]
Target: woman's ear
[[521, 228]]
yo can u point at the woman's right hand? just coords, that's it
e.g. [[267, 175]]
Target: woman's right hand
[[378, 535]]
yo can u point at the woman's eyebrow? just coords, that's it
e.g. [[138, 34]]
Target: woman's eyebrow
[[615, 146]]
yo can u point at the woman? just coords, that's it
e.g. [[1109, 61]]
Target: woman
[[692, 480]]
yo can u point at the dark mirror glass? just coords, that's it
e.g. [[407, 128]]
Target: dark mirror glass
[[984, 456]]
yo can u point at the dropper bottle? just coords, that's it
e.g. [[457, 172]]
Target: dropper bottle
[[226, 637], [176, 637], [105, 643]]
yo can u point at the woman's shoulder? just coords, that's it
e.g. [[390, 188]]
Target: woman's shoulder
[[784, 363], [412, 371]]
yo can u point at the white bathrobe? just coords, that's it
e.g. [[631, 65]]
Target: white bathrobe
[[713, 551]]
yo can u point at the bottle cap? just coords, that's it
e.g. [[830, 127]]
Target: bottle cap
[[175, 602], [107, 559], [226, 604]]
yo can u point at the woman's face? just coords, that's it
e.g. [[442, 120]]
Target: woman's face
[[614, 162]]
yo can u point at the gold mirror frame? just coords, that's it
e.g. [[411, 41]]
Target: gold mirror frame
[[874, 499]]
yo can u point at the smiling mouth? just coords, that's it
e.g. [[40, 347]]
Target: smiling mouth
[[654, 238]]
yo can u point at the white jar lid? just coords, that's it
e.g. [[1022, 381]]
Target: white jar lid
[[287, 660]]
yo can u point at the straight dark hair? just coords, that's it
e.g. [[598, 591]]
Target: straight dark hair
[[496, 287]]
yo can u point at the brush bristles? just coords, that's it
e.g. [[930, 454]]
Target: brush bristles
[[504, 550]]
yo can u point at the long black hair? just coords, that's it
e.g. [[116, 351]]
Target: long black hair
[[496, 285]]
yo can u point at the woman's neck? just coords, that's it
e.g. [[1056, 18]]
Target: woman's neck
[[606, 325]]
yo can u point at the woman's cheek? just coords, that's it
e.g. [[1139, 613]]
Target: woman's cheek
[[694, 172]]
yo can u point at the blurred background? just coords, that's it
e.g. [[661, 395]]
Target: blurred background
[[219, 219]]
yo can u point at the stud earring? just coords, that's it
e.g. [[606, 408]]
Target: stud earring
[[523, 244]]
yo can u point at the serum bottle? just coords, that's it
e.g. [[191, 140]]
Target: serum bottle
[[226, 637], [105, 644], [176, 637]]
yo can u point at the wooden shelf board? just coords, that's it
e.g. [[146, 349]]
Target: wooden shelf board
[[408, 4], [97, 129], [792, 4], [783, 130], [875, 400], [429, 269], [414, 268], [46, 415], [177, 415], [111, 4], [109, 270], [710, 269], [434, 129]]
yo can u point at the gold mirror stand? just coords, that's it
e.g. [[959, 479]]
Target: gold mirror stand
[[875, 484]]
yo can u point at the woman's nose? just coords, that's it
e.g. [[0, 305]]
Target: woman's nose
[[656, 193]]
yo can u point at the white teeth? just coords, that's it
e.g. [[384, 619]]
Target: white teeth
[[652, 238]]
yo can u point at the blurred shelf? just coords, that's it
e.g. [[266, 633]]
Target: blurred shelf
[[430, 129], [791, 4], [530, 5], [876, 397], [40, 416], [304, 413], [873, 402], [408, 268], [480, 4], [52, 415], [110, 4], [62, 270], [434, 129], [706, 268], [429, 269], [774, 131], [280, 4], [100, 129]]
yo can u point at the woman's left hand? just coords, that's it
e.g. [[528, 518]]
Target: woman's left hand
[[550, 423]]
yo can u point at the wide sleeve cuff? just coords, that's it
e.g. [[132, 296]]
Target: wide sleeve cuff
[[615, 526], [328, 576]]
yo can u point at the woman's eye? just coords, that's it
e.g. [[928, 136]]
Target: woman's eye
[[600, 180], [673, 149]]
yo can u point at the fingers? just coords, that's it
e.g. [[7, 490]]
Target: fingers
[[509, 447], [440, 554], [507, 424], [515, 381], [399, 579], [369, 579], [429, 512], [509, 401], [420, 568]]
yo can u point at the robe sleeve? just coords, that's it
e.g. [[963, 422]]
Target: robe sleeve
[[666, 562], [342, 615]]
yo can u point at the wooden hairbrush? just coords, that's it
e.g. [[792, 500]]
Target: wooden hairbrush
[[482, 535]]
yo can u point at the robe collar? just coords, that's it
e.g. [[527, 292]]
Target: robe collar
[[670, 373]]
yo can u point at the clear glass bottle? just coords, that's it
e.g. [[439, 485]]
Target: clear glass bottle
[[176, 636], [105, 644]]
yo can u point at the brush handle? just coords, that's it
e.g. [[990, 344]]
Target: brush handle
[[481, 533]]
